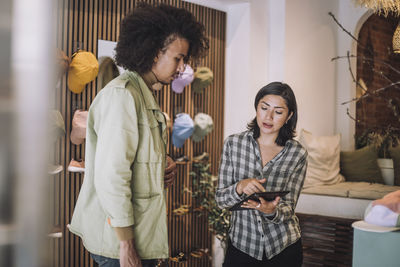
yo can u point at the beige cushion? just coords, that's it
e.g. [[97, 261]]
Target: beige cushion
[[337, 190], [362, 190], [371, 190], [323, 159]]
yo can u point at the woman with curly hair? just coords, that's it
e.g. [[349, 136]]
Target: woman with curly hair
[[121, 211]]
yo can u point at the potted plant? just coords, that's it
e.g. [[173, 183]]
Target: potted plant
[[203, 192], [382, 140]]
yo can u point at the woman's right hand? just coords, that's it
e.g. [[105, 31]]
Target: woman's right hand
[[250, 186]]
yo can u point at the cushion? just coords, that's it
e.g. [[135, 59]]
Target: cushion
[[361, 190], [361, 165], [337, 190], [395, 154], [371, 190], [323, 159]]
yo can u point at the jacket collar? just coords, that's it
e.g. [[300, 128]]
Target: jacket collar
[[148, 97], [149, 101]]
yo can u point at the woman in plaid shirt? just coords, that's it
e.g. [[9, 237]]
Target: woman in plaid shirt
[[264, 158]]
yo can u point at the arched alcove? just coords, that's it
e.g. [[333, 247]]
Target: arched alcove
[[377, 66]]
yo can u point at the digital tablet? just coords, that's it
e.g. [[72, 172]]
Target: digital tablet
[[268, 196]]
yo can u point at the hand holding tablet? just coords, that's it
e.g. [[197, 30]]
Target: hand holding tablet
[[268, 196]]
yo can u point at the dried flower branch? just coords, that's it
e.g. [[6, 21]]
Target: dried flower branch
[[340, 25], [368, 59], [382, 137]]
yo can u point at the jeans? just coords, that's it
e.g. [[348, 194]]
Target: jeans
[[110, 262]]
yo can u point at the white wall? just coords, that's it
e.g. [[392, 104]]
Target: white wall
[[277, 36], [238, 104], [352, 18], [254, 57], [309, 47]]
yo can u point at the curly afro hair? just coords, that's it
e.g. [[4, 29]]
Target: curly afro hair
[[150, 29]]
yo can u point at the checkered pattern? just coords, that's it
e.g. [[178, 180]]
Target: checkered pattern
[[252, 231]]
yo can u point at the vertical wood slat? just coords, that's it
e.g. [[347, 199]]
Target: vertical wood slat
[[81, 24]]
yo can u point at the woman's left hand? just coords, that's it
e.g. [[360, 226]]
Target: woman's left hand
[[267, 207]]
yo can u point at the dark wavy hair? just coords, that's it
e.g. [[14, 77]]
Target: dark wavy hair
[[288, 130], [150, 29]]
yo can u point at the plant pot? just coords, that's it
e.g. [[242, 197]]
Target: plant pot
[[386, 166], [218, 253]]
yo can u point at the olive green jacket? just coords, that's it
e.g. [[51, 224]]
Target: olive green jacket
[[124, 171]]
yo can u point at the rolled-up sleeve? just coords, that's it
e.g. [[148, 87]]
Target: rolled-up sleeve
[[116, 126]]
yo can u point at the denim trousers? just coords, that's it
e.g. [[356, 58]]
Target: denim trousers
[[110, 262]]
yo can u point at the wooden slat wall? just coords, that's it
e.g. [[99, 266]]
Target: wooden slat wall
[[79, 25]]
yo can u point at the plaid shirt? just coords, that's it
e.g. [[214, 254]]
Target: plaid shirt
[[252, 231]]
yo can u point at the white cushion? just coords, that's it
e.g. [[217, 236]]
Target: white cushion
[[323, 159]]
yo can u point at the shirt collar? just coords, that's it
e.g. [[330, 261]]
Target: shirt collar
[[250, 135]]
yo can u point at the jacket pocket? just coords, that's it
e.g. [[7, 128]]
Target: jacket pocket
[[150, 148], [150, 227]]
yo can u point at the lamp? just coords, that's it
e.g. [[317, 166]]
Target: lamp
[[381, 6], [396, 40]]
